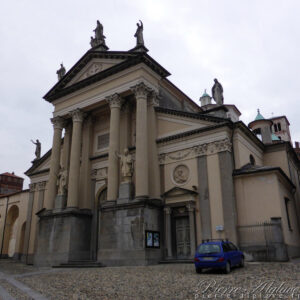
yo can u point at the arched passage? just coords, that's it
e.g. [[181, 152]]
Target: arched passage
[[11, 227], [22, 236]]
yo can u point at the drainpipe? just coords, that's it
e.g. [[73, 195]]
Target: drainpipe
[[4, 227]]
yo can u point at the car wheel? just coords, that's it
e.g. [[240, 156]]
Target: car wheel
[[198, 270], [227, 268], [242, 263]]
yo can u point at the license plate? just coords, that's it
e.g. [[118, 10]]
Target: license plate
[[208, 258]]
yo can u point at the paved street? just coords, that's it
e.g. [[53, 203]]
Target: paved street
[[174, 281]]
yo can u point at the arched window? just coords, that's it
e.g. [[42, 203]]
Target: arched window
[[275, 127], [252, 160]]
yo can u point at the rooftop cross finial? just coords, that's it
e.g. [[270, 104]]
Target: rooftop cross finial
[[205, 91], [258, 111]]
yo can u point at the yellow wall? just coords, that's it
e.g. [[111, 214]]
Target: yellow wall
[[243, 148], [21, 201], [257, 198]]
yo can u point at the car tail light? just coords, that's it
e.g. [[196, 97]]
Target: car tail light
[[196, 259], [221, 259]]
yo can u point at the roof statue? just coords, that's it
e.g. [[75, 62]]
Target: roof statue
[[139, 34], [99, 39], [37, 143], [61, 72], [217, 92]]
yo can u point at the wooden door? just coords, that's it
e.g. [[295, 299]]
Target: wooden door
[[182, 237]]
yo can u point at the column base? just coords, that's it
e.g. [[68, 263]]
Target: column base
[[63, 236], [122, 239]]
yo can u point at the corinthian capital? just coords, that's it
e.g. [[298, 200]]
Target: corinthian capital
[[114, 101], [58, 122], [141, 90], [77, 115], [153, 98]]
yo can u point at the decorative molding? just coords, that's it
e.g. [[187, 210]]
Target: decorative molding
[[99, 174], [41, 185], [168, 210], [153, 99], [77, 115], [180, 175], [190, 207], [114, 101], [141, 90], [195, 151], [95, 68], [58, 123], [32, 187]]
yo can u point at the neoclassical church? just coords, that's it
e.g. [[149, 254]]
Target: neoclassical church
[[138, 173]]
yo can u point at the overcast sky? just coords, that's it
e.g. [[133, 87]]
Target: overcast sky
[[251, 46]]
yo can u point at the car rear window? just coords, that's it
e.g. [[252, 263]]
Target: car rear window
[[209, 249]]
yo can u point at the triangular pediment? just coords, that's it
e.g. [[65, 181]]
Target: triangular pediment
[[95, 66], [177, 191], [41, 165]]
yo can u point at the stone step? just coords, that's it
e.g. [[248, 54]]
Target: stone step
[[80, 264], [177, 261]]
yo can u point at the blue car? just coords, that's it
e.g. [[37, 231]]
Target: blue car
[[218, 254]]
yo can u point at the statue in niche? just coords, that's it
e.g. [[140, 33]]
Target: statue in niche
[[37, 143], [217, 92], [61, 72], [139, 34], [62, 181], [126, 164]]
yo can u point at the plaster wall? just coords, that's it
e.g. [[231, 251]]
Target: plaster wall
[[21, 201], [277, 158], [243, 148], [257, 198]]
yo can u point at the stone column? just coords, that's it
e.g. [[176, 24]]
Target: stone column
[[66, 147], [168, 232], [141, 92], [58, 124], [115, 102], [154, 173], [73, 186], [191, 210]]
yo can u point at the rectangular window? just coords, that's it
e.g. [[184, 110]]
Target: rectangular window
[[103, 141], [286, 200]]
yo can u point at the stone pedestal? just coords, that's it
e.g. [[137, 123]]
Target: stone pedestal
[[63, 237], [60, 202], [125, 192], [122, 233]]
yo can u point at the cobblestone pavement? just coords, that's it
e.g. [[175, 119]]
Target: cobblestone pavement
[[174, 281]]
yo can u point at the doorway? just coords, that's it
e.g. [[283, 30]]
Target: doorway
[[182, 235]]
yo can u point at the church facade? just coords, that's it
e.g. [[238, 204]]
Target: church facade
[[139, 173]]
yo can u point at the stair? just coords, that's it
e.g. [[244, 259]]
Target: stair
[[177, 261], [80, 264]]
